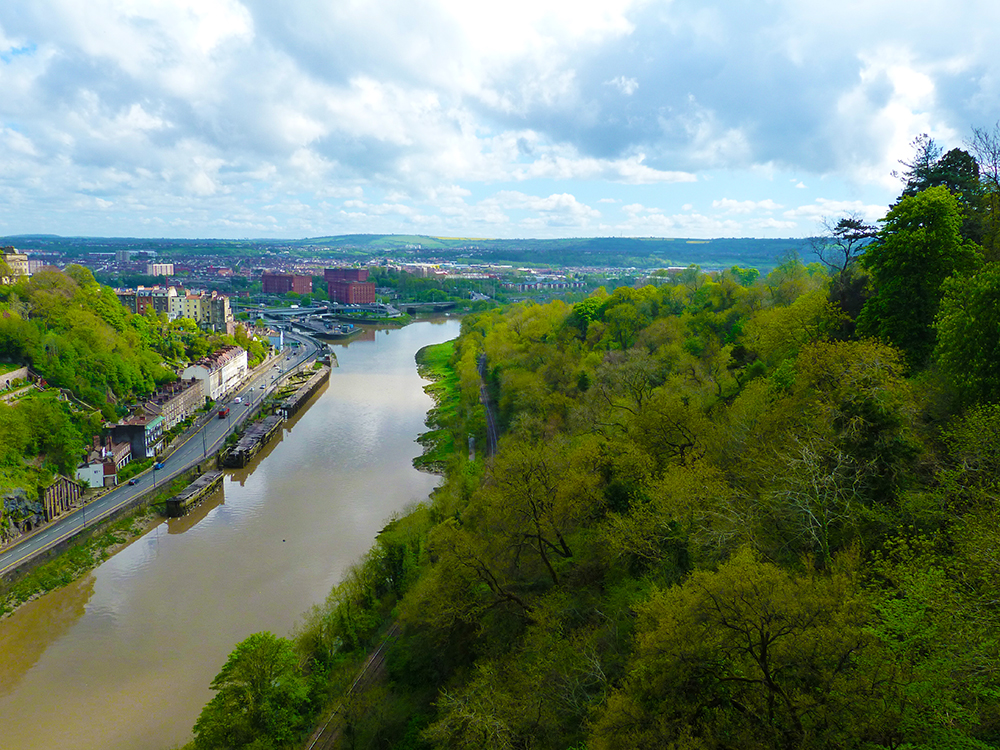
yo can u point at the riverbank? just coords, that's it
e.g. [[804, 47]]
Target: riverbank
[[88, 549], [148, 630], [74, 562], [434, 364]]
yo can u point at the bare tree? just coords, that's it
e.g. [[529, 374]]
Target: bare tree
[[985, 146]]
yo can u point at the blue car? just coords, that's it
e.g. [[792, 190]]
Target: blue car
[[157, 466]]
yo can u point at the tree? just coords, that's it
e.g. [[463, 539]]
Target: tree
[[917, 175], [537, 496], [779, 332], [260, 697], [624, 323], [935, 616], [748, 656], [838, 249], [985, 145], [957, 170], [968, 334], [918, 247], [840, 245], [856, 396]]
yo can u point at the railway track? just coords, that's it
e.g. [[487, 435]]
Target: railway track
[[327, 735]]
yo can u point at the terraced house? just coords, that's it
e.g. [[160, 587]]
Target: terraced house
[[219, 372]]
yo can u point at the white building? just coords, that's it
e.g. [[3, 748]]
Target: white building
[[219, 372], [103, 462], [159, 269]]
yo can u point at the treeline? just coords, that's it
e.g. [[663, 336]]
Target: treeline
[[728, 511], [411, 288]]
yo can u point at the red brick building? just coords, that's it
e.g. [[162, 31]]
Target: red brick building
[[282, 283], [349, 286]]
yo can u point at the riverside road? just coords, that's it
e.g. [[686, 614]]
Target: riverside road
[[199, 445]]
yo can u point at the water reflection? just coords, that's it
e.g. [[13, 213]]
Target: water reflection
[[123, 659], [195, 514], [28, 632]]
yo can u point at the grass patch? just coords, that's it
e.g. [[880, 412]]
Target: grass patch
[[434, 364], [132, 468]]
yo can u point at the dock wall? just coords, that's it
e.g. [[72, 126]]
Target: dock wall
[[298, 399], [255, 437], [178, 504]]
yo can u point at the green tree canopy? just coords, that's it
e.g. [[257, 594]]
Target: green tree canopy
[[968, 333], [748, 656], [260, 700], [918, 247]]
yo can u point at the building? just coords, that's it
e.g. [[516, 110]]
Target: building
[[220, 314], [352, 292], [144, 297], [282, 283], [128, 299], [60, 496], [103, 462], [144, 432], [176, 401], [162, 296], [192, 306], [349, 286], [16, 262], [210, 311], [159, 269], [345, 274], [219, 372]]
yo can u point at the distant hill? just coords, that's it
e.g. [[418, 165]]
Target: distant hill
[[603, 252]]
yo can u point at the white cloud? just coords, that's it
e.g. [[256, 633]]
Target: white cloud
[[196, 113], [729, 206], [825, 208], [627, 86]]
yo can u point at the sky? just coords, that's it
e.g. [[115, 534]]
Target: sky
[[475, 118]]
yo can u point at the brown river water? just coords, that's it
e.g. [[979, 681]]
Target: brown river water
[[122, 658]]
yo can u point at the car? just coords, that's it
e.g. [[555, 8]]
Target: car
[[158, 465], [133, 481]]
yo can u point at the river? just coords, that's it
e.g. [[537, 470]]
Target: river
[[122, 658]]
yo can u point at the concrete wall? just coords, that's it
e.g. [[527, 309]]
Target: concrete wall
[[8, 378]]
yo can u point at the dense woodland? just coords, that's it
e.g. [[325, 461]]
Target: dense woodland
[[727, 511]]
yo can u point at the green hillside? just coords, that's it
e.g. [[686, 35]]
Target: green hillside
[[730, 511]]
